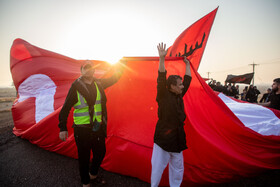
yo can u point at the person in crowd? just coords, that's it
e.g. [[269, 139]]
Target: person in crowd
[[275, 96], [237, 92], [170, 137], [88, 98], [266, 97], [219, 87], [212, 84], [230, 90], [233, 91], [250, 95], [243, 95], [256, 94], [245, 89], [225, 90]]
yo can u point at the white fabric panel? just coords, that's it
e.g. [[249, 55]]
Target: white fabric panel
[[253, 116], [43, 89]]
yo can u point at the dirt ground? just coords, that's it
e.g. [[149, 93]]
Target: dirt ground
[[25, 164]]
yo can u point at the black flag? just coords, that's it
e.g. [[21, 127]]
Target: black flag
[[246, 78]]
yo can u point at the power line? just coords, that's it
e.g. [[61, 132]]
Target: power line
[[266, 62], [269, 62], [228, 70]]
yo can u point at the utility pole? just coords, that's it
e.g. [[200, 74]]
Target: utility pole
[[253, 71], [208, 73]]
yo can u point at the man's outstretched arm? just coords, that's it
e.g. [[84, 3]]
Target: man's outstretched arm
[[161, 80], [267, 104], [162, 51], [188, 67], [119, 68], [187, 77], [70, 100]]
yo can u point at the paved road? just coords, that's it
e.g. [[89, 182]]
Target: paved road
[[25, 164]]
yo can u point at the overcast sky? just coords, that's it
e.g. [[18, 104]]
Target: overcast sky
[[244, 31]]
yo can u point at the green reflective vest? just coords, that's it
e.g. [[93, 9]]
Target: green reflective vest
[[81, 112]]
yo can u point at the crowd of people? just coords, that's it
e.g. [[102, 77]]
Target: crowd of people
[[249, 94]]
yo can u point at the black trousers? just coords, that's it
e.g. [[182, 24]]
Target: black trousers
[[86, 141]]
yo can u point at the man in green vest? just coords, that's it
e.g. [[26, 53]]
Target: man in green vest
[[88, 98]]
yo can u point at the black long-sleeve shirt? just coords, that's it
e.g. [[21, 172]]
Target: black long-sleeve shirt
[[90, 97], [265, 98], [275, 101], [170, 134]]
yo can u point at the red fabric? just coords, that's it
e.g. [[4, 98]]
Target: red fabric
[[221, 148], [27, 60], [191, 36]]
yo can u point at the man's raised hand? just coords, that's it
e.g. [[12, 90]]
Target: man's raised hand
[[187, 62], [162, 51], [188, 67]]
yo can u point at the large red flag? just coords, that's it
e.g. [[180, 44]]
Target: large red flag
[[221, 146], [42, 79]]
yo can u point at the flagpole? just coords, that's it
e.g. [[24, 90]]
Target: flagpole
[[253, 71]]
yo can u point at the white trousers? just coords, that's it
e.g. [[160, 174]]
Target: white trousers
[[160, 159]]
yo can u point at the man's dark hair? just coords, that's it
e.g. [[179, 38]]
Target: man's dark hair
[[86, 64], [172, 79], [277, 80]]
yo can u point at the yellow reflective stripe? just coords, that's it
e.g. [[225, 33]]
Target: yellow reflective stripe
[[81, 114], [97, 106], [81, 102], [98, 95], [98, 113]]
